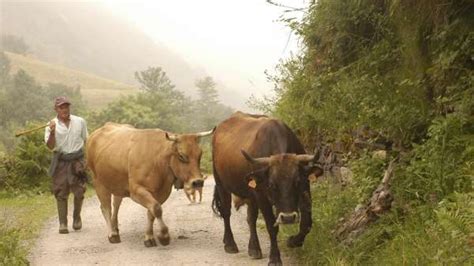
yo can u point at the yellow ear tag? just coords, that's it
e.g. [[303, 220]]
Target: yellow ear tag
[[252, 183]]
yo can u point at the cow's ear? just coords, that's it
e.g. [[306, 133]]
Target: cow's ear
[[251, 180], [313, 169], [171, 137], [254, 177]]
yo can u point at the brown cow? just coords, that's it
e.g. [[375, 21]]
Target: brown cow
[[142, 164], [277, 177]]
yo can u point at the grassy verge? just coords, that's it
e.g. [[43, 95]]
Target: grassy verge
[[426, 235], [22, 217]]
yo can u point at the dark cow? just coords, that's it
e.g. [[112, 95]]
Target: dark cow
[[260, 160]]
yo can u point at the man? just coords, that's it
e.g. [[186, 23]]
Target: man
[[66, 136]]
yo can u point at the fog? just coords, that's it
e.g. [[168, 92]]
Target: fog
[[233, 41]]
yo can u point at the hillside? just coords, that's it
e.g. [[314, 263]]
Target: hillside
[[392, 78], [97, 91], [87, 37]]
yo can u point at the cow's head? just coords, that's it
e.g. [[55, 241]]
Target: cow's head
[[186, 158], [283, 178]]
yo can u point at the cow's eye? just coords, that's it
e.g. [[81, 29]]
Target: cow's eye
[[183, 158]]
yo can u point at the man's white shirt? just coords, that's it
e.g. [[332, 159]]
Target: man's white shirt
[[69, 139]]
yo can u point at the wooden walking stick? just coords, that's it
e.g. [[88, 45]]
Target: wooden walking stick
[[30, 130]]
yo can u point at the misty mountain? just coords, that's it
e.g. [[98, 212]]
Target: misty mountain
[[88, 37]]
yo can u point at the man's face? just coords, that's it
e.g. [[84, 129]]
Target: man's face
[[63, 111]]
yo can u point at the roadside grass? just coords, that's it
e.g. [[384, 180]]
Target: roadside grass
[[427, 235], [22, 216]]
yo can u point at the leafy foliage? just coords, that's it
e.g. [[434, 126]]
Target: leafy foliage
[[11, 251], [209, 112], [154, 79], [405, 70], [161, 105], [27, 167]]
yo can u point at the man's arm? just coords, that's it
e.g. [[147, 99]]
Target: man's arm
[[50, 135]]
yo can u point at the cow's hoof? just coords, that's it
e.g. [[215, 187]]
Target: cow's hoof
[[231, 248], [165, 241], [255, 254], [63, 229], [294, 242], [114, 239], [150, 243], [77, 224], [275, 263]]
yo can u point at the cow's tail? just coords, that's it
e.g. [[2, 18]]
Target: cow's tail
[[217, 202]]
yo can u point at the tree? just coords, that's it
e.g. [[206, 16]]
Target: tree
[[159, 105], [207, 91], [207, 108], [154, 79]]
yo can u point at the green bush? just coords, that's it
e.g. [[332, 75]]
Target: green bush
[[11, 251], [405, 70], [27, 167], [368, 173], [428, 236], [441, 165]]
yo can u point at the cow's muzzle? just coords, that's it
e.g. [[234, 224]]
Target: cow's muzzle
[[286, 218], [198, 183]]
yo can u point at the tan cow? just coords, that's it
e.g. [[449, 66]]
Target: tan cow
[[142, 164]]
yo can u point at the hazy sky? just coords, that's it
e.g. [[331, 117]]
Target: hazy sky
[[234, 41]]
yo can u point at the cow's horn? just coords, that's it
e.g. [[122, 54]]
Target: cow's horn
[[206, 133], [305, 158], [171, 137], [263, 160]]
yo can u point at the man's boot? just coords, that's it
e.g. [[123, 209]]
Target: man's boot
[[77, 222], [62, 214]]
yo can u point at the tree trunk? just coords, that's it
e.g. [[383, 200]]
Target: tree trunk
[[380, 202]]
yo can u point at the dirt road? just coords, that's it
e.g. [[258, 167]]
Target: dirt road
[[196, 237]]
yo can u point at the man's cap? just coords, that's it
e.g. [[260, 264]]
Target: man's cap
[[61, 100]]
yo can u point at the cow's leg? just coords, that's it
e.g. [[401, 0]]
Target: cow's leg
[[267, 211], [116, 201], [223, 201], [105, 206], [149, 237], [254, 245], [146, 199], [305, 206]]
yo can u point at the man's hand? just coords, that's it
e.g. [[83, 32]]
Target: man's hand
[[52, 126], [52, 139]]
